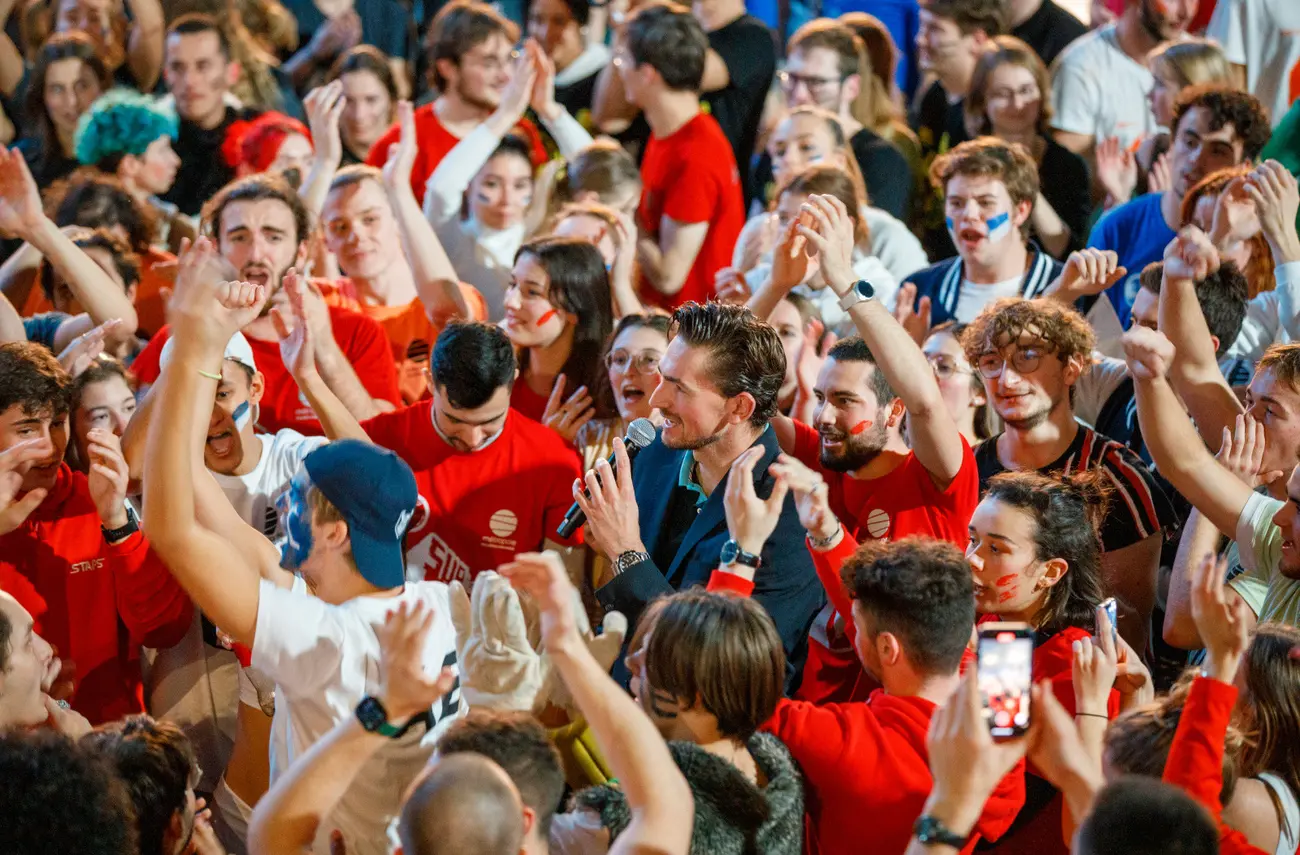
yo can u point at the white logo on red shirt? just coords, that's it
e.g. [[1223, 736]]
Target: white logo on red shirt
[[87, 566], [503, 523], [878, 523]]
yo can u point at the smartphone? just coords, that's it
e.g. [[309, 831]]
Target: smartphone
[[1112, 615], [1006, 659]]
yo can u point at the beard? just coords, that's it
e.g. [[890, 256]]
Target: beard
[[691, 444], [473, 100], [1155, 26], [857, 451]]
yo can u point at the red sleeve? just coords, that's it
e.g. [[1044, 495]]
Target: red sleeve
[[145, 367], [818, 737], [529, 131], [367, 348], [1195, 761], [566, 469], [726, 582], [1003, 806], [827, 564], [152, 603], [807, 445], [378, 155]]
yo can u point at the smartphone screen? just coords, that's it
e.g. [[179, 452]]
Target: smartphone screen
[[1112, 615], [1006, 658]]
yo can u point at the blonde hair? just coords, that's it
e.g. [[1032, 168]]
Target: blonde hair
[[1191, 62]]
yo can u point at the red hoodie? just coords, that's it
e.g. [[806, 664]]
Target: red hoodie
[[868, 771], [1195, 761], [94, 602]]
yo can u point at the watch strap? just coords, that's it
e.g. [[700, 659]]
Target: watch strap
[[740, 556], [930, 830], [113, 535], [627, 560], [374, 718]]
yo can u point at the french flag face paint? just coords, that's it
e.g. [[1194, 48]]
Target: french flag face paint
[[999, 226], [242, 415]]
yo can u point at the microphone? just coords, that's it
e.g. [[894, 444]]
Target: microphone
[[639, 434]]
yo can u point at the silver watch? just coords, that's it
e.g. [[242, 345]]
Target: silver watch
[[861, 291], [626, 560]]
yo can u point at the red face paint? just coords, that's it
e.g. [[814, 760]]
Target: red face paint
[[1003, 581], [550, 313], [860, 427], [1007, 595]]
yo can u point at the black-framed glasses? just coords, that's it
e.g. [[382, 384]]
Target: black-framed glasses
[[1025, 360], [645, 362], [790, 79], [945, 366]]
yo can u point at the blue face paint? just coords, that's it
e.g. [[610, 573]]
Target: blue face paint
[[242, 415], [999, 226], [949, 223], [295, 519]]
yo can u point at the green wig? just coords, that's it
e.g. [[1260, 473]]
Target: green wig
[[121, 122]]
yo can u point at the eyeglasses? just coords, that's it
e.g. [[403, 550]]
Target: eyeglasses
[[945, 366], [1024, 360], [1029, 92], [789, 80], [645, 362]]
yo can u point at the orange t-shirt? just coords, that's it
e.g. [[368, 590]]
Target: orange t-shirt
[[409, 329], [156, 273]]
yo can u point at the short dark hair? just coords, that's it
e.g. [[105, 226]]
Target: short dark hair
[[745, 354], [156, 762], [854, 349], [1222, 296], [41, 775], [1143, 816], [970, 16], [470, 361], [1227, 105], [370, 59], [256, 188], [125, 261], [461, 26], [518, 744], [99, 200], [193, 23], [462, 805], [920, 590], [722, 650], [32, 379], [667, 37]]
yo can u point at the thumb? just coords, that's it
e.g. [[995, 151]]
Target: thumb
[[281, 325], [924, 310], [337, 845]]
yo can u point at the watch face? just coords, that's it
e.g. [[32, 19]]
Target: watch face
[[729, 551], [371, 714], [865, 289]]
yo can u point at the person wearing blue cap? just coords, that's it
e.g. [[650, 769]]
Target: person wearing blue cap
[[345, 516]]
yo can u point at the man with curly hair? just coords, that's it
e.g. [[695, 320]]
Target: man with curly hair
[[1030, 354], [1214, 127]]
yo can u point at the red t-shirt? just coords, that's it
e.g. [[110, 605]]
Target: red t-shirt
[[479, 509], [691, 176], [902, 503], [94, 602], [283, 406], [434, 141], [528, 402]]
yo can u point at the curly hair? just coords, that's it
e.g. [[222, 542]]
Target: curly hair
[[745, 354], [58, 796], [33, 380], [119, 123], [1227, 105], [1004, 321], [95, 199]]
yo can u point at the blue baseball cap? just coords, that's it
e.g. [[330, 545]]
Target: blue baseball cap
[[375, 492]]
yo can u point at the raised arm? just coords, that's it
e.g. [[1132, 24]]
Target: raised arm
[[666, 262], [289, 816], [1195, 373], [333, 364], [11, 324], [324, 106], [1173, 442], [656, 791], [435, 279], [1277, 199], [569, 135], [935, 439], [144, 46], [205, 314]]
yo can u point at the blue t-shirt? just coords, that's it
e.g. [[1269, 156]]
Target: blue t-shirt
[[1137, 232], [41, 328]]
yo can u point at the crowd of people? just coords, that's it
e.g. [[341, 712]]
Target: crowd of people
[[586, 426]]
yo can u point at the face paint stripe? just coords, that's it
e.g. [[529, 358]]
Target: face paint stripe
[[550, 313], [860, 427]]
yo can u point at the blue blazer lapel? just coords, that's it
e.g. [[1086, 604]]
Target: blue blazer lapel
[[654, 475], [714, 514]]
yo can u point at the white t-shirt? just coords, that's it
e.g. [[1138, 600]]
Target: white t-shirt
[[1264, 36], [253, 495], [1098, 90], [972, 298], [1259, 545], [324, 660]]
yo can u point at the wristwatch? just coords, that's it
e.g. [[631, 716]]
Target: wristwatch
[[114, 535], [626, 560], [374, 719], [929, 831], [861, 291], [733, 554]]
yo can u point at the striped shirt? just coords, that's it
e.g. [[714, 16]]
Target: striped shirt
[[1138, 507]]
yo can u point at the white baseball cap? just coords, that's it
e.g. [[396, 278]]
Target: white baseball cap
[[237, 350]]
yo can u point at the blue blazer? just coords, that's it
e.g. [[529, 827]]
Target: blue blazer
[[786, 584]]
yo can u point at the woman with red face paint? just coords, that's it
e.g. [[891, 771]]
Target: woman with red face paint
[[1036, 557], [558, 317]]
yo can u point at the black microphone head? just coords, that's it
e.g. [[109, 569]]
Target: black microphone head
[[640, 433]]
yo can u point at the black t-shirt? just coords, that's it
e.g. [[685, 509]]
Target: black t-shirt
[[203, 171], [1049, 30], [1138, 505], [748, 49], [940, 126], [884, 169], [46, 162], [1063, 177], [577, 96]]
